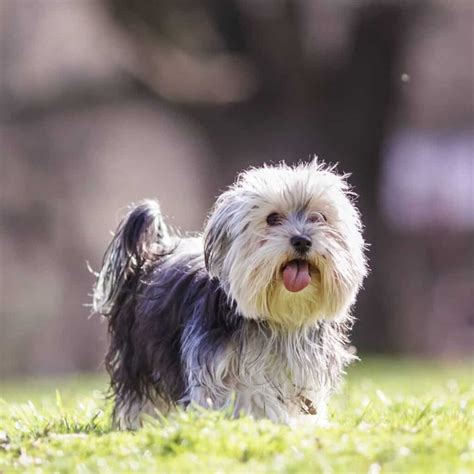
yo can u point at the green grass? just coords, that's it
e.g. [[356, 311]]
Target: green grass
[[391, 416]]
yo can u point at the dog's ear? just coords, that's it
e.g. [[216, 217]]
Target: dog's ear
[[227, 221], [217, 234]]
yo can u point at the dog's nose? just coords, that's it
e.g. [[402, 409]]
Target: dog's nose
[[300, 243]]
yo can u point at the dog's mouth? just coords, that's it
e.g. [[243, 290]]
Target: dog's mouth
[[296, 275]]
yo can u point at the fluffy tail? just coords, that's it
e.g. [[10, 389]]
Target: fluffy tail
[[140, 238]]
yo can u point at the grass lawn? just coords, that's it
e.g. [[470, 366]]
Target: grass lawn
[[391, 416]]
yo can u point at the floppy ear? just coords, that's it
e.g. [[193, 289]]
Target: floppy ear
[[217, 235]]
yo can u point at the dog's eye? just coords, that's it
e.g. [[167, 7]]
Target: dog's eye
[[274, 219], [317, 217]]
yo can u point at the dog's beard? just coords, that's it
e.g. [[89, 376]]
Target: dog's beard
[[294, 309], [256, 279]]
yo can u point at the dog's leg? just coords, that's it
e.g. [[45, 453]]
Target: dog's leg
[[128, 414]]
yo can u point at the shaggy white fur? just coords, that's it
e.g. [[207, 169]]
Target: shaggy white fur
[[244, 317]]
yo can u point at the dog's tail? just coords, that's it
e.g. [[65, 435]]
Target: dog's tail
[[140, 239]]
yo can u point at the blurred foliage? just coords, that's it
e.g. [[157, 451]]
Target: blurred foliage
[[108, 102]]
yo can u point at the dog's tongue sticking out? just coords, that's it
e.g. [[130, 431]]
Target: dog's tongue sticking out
[[296, 275]]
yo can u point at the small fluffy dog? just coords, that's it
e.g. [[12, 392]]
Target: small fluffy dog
[[252, 316]]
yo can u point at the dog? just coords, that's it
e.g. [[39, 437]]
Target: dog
[[252, 316]]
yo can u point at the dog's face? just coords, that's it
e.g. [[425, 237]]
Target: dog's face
[[286, 244]]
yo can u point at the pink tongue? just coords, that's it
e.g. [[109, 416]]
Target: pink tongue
[[296, 275]]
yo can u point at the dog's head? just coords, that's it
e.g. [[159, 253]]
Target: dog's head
[[286, 244]]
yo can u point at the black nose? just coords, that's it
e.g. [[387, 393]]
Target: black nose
[[300, 243]]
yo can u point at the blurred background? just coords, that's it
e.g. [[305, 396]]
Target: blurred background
[[104, 102]]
